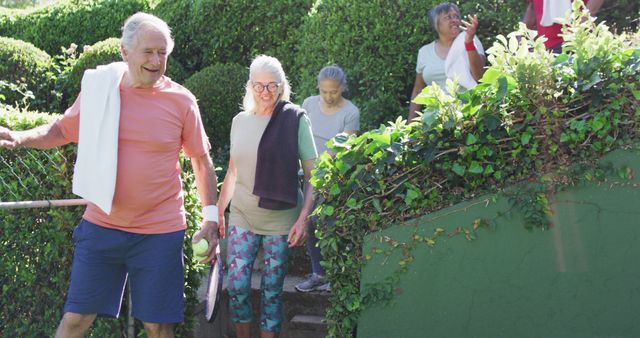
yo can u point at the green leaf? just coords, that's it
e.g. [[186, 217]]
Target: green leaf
[[411, 195], [335, 189], [491, 75], [561, 58], [328, 210], [352, 203], [376, 204], [476, 168], [471, 139], [497, 175], [595, 79], [564, 137], [384, 138], [525, 138], [491, 122], [513, 44], [458, 169], [449, 124], [488, 169], [503, 86], [428, 117]]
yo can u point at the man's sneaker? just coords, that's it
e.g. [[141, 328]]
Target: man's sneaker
[[313, 282]]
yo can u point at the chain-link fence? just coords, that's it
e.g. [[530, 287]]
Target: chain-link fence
[[36, 178]]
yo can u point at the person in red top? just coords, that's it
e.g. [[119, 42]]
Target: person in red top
[[141, 238], [533, 16]]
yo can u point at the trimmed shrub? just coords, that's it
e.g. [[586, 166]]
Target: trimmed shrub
[[102, 53], [36, 247], [219, 89], [70, 21], [175, 70], [621, 15], [376, 43], [21, 63], [208, 32]]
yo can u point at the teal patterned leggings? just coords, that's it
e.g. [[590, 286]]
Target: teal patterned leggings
[[243, 246]]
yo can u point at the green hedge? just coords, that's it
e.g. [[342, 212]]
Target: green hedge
[[532, 115], [622, 15], [208, 31], [376, 43], [219, 90], [36, 246], [21, 63], [101, 53], [64, 22]]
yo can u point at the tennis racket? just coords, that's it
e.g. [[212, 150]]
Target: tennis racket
[[214, 288]]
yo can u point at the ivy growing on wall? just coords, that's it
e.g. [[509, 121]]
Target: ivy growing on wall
[[533, 113]]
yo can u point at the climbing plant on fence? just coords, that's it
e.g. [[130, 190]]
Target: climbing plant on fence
[[532, 113], [36, 248]]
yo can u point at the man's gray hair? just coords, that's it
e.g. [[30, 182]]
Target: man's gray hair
[[444, 7], [139, 21], [269, 64], [333, 72]]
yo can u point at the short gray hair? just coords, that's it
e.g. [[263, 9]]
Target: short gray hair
[[333, 72], [135, 23], [265, 63], [444, 7]]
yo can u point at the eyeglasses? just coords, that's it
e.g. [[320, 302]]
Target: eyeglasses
[[259, 87]]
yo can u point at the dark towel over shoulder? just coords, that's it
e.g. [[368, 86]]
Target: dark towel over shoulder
[[278, 160]]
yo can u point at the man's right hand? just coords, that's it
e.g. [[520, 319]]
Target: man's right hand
[[7, 139], [209, 231]]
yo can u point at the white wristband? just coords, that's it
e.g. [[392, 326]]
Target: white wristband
[[210, 213]]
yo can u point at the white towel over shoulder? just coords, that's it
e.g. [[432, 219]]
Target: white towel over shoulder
[[457, 61], [94, 176], [552, 10]]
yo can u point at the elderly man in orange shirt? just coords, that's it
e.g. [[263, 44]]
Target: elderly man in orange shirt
[[138, 234]]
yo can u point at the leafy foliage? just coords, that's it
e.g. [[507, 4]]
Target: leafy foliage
[[28, 68], [64, 22], [36, 245], [532, 113], [219, 90], [208, 32]]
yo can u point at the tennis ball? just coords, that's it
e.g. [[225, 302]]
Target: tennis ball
[[200, 248], [293, 238]]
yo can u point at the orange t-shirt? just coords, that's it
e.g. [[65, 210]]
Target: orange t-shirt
[[155, 124]]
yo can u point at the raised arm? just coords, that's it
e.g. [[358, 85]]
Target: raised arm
[[477, 61], [206, 183], [43, 137]]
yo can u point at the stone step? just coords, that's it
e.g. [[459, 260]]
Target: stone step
[[307, 309], [306, 326]]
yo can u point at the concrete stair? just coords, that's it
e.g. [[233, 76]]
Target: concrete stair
[[303, 312]]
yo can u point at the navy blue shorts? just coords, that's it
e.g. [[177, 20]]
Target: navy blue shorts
[[104, 258]]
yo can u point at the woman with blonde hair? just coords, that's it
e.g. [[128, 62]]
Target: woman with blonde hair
[[269, 140]]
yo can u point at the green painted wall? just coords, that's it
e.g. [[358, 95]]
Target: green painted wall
[[581, 278]]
